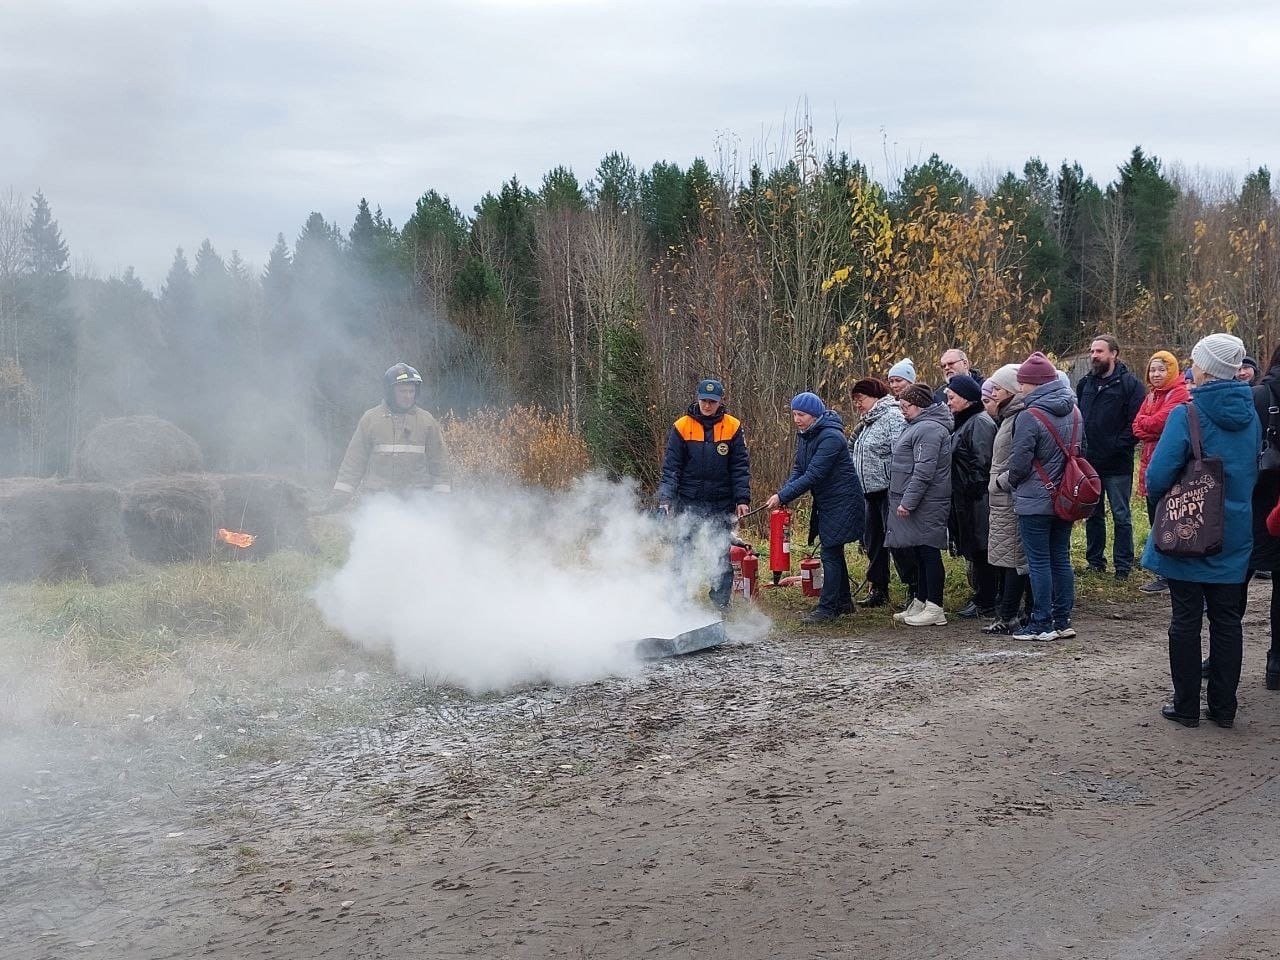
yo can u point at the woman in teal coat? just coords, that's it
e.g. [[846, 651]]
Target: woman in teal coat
[[1211, 586]]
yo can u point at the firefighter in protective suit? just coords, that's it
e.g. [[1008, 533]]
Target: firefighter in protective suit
[[397, 445]]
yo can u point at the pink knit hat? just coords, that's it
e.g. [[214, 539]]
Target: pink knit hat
[[1037, 370]]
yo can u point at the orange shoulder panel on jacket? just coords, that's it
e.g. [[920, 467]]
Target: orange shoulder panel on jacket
[[689, 428], [727, 428]]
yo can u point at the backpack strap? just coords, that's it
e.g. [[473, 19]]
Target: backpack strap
[[1274, 408], [1075, 429], [1075, 439]]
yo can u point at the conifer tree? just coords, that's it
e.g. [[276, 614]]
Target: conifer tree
[[46, 339], [1148, 199], [615, 189], [954, 191]]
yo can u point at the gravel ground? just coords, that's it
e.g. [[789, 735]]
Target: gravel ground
[[890, 792]]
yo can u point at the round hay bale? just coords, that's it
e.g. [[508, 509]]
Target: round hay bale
[[55, 530], [126, 449], [274, 510], [172, 519]]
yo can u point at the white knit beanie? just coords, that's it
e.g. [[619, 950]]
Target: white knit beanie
[[1006, 378], [1219, 355], [904, 369]]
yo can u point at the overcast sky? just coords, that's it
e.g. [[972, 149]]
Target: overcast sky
[[151, 125]]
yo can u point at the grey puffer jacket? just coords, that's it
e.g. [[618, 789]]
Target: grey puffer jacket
[[1004, 544], [1032, 445], [920, 480], [872, 443]]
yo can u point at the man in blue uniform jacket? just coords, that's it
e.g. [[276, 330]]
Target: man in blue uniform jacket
[[706, 472]]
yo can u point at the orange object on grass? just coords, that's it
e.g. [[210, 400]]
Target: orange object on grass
[[235, 537]]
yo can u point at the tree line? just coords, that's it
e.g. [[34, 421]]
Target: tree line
[[607, 299]]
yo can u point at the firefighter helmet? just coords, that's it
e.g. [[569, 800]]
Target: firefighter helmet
[[397, 374]]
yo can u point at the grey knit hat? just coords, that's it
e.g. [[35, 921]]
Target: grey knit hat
[[1219, 355], [903, 370], [1006, 378]]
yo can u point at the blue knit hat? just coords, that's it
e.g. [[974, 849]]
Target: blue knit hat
[[963, 385], [809, 403], [904, 370]]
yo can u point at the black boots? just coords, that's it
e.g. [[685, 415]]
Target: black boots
[[1273, 670], [819, 615], [1221, 719], [1169, 713], [876, 598]]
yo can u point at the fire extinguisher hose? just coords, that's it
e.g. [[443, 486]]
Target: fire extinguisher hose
[[752, 513]]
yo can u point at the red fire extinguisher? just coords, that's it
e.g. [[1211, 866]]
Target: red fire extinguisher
[[750, 574], [779, 543], [811, 577], [736, 554], [746, 569]]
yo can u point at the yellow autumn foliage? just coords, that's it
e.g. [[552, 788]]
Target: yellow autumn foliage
[[521, 444], [942, 277]]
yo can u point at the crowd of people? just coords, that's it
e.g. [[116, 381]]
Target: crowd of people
[[974, 467]]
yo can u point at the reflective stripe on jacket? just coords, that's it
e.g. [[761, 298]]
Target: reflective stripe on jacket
[[395, 451]]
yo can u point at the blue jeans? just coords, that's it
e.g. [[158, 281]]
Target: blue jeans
[[1046, 541], [1116, 491]]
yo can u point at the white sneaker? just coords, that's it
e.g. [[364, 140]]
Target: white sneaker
[[1027, 633], [1066, 633], [914, 607], [931, 615]]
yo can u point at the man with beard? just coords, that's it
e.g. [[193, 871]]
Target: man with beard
[[1109, 397], [706, 473]]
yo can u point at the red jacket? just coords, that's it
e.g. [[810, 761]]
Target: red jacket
[[1150, 420], [1273, 520]]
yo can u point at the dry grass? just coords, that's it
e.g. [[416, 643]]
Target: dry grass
[[1093, 592], [75, 653], [523, 444]]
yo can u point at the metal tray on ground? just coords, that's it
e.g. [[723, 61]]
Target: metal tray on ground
[[691, 641]]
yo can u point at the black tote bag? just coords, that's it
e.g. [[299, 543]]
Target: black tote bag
[[1189, 518]]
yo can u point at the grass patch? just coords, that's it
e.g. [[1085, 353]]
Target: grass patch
[[197, 636], [788, 605]]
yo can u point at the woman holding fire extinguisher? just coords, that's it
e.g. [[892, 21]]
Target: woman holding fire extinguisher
[[824, 468]]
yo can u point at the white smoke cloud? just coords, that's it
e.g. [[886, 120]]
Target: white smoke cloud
[[501, 587]]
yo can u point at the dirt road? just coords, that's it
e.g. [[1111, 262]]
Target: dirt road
[[897, 793]]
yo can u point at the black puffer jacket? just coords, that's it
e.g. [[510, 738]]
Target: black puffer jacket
[[1108, 405], [706, 463], [971, 448], [1266, 548]]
